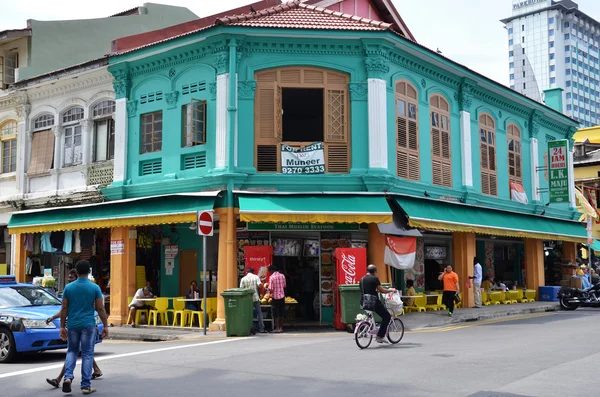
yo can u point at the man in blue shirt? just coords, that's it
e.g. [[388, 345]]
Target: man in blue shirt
[[477, 278], [80, 298]]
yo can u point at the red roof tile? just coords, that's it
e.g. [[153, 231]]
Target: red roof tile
[[297, 15]]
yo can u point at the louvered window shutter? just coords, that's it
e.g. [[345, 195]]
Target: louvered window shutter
[[407, 140], [441, 162], [336, 139], [489, 182], [268, 122]]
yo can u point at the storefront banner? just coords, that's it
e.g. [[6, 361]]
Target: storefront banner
[[517, 193], [351, 265], [400, 252], [302, 226], [259, 258], [308, 160], [558, 153]]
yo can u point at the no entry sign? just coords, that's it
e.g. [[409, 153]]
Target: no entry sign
[[205, 223]]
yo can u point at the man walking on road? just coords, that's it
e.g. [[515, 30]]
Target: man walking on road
[[252, 281], [80, 298], [477, 278], [451, 288]]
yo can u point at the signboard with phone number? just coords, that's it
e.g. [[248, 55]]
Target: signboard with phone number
[[308, 160]]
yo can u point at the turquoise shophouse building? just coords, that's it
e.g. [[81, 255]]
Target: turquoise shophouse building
[[404, 137]]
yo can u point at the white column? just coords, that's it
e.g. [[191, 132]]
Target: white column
[[23, 148], [377, 114], [86, 141], [121, 124], [221, 125], [535, 162], [13, 253], [57, 147], [466, 150], [571, 179]]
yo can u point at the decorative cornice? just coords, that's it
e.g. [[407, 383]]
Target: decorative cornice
[[398, 58], [222, 62], [534, 124], [376, 68], [171, 99], [246, 89], [358, 91], [122, 82], [131, 108], [74, 85]]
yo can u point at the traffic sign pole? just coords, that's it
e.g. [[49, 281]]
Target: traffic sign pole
[[205, 227], [204, 282]]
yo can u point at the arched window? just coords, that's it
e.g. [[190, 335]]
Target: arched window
[[8, 147], [44, 121], [104, 130], [441, 159], [407, 128], [513, 138], [487, 144], [72, 148]]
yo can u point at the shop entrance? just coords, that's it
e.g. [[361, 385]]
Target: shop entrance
[[188, 270]]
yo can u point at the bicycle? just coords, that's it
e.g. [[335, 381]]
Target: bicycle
[[366, 329]]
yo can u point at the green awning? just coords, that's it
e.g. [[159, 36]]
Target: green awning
[[438, 215], [179, 208], [322, 208], [595, 245]]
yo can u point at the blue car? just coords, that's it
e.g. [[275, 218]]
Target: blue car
[[24, 309]]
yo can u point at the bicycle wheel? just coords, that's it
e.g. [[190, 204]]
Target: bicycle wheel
[[395, 331], [362, 336]]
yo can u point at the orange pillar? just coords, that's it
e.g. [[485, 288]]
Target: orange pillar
[[534, 263], [122, 275], [464, 250], [569, 251], [376, 251], [219, 323], [20, 258]]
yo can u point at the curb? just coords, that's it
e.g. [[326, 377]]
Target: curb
[[115, 335], [467, 318]]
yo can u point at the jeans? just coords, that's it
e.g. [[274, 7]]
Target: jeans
[[477, 294], [83, 338], [259, 316], [386, 317]]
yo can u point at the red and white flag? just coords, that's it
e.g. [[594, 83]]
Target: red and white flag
[[400, 252], [517, 193]]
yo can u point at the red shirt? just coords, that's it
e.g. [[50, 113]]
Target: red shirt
[[277, 285]]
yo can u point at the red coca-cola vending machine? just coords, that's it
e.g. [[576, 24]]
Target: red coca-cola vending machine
[[351, 266]]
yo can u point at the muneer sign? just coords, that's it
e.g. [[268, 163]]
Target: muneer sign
[[308, 160]]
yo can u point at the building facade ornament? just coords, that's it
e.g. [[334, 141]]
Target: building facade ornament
[[376, 67], [358, 91], [212, 90], [465, 96], [171, 99], [122, 82], [246, 89], [534, 124], [55, 130], [23, 112], [222, 62], [132, 108]]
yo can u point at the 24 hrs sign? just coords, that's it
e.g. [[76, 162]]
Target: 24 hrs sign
[[558, 167]]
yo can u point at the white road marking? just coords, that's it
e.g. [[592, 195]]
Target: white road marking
[[115, 356]]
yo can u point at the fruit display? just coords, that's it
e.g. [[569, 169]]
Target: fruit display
[[289, 299], [265, 299]]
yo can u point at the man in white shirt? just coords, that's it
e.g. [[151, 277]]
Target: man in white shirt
[[135, 304], [477, 278], [252, 281]]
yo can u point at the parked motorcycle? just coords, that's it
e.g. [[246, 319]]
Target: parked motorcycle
[[572, 298]]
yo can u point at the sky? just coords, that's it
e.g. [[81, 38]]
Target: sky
[[467, 31]]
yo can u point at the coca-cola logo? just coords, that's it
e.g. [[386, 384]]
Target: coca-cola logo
[[255, 259], [348, 265]]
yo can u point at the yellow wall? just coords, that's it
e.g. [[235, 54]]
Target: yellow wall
[[588, 172]]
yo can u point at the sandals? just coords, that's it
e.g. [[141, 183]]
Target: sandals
[[66, 388], [53, 382], [88, 390], [96, 376]]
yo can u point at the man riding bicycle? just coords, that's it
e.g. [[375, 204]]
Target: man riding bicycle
[[369, 287]]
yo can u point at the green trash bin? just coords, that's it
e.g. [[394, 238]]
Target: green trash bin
[[238, 311], [350, 302]]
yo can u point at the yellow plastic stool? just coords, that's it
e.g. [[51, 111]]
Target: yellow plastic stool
[[162, 305]]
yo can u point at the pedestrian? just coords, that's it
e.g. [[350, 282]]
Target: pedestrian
[[477, 278], [277, 287], [369, 287], [451, 288], [72, 276], [252, 281], [80, 298], [410, 291], [595, 277], [193, 293], [135, 304]]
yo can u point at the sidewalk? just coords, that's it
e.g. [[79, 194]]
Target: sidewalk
[[412, 321]]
